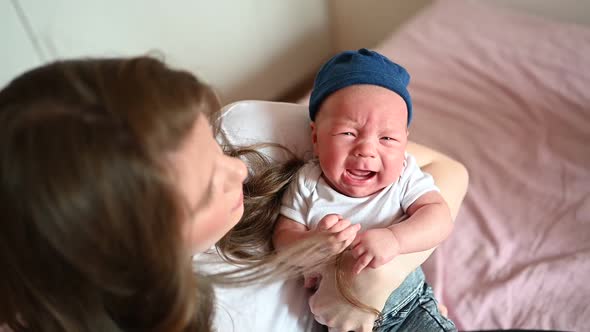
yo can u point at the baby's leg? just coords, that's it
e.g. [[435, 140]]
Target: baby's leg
[[426, 315]]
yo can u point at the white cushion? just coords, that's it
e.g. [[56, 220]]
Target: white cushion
[[250, 122]]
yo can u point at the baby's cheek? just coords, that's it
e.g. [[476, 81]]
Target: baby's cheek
[[398, 170], [395, 166]]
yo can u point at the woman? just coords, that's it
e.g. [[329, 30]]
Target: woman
[[110, 180], [105, 166]]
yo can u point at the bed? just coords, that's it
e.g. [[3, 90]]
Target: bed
[[507, 94]]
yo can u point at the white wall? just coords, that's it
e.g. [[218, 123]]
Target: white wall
[[16, 51], [246, 48], [357, 24]]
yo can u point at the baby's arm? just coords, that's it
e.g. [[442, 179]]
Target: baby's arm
[[340, 233], [288, 232], [429, 223]]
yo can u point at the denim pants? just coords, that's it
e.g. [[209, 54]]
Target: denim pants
[[412, 307]]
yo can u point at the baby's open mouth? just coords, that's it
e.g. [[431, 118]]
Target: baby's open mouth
[[358, 174]]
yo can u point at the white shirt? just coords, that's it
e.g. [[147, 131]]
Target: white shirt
[[270, 306], [310, 198]]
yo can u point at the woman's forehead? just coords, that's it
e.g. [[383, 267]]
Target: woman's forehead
[[194, 161]]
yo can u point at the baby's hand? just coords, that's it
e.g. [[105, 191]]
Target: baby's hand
[[341, 233], [374, 248]]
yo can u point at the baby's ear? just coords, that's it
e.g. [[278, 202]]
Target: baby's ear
[[314, 138]]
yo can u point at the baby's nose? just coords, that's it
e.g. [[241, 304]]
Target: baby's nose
[[365, 149]]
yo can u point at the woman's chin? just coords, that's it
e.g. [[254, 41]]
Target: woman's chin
[[237, 214]]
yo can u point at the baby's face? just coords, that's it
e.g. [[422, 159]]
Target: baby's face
[[360, 137]]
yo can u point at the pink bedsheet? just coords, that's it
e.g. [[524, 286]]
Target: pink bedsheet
[[509, 96]]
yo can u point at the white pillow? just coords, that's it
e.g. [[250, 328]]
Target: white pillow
[[250, 122]]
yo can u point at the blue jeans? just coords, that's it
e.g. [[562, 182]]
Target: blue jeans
[[412, 307]]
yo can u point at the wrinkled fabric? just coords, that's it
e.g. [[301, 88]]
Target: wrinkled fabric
[[507, 95]]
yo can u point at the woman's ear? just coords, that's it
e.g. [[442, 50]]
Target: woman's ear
[[314, 138]]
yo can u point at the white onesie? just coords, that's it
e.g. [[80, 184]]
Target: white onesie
[[309, 198]]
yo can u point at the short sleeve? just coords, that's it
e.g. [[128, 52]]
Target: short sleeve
[[414, 182], [296, 200]]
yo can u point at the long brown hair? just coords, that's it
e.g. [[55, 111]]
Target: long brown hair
[[89, 237], [250, 240]]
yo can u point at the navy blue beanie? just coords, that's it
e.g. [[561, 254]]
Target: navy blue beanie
[[359, 67]]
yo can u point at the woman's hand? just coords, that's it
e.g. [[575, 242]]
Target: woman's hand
[[371, 287], [331, 309]]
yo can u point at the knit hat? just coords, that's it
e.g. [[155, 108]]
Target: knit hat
[[359, 67]]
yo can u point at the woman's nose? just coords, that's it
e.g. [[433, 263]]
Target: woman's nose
[[236, 169]]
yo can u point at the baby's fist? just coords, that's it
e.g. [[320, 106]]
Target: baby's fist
[[374, 248], [341, 232]]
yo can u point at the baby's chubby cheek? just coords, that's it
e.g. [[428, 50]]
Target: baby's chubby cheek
[[394, 167]]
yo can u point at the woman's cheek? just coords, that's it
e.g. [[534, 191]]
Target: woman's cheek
[[206, 230]]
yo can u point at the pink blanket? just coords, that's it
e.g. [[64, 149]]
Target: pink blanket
[[509, 96]]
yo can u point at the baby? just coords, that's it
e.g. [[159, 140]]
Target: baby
[[363, 190]]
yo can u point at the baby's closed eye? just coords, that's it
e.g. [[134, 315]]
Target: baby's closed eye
[[345, 133]]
